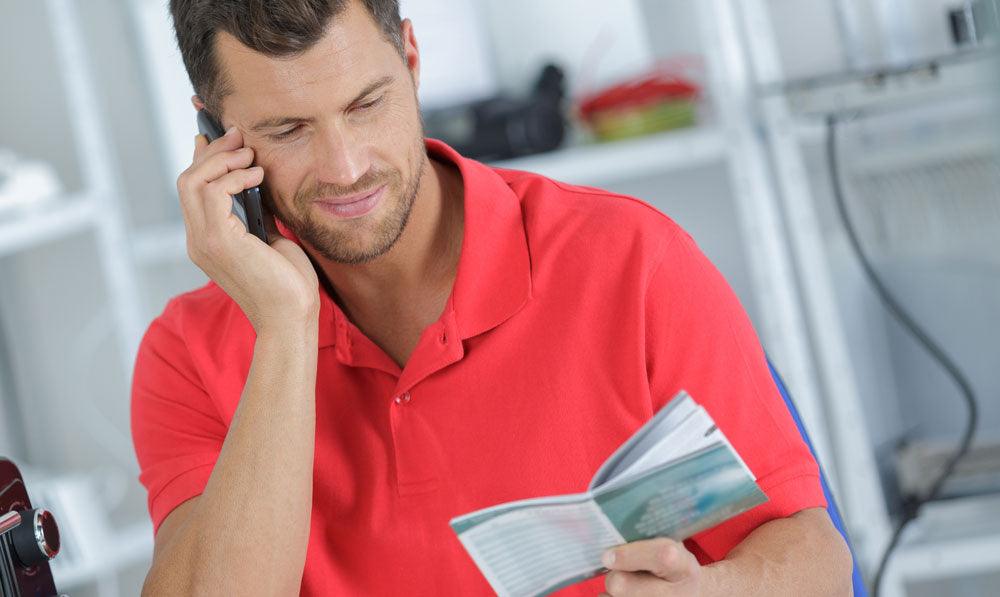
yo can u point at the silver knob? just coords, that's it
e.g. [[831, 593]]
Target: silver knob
[[37, 540]]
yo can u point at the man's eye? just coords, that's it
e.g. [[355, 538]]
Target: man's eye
[[285, 134], [369, 105]]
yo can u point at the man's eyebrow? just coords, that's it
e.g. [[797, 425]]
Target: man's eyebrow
[[377, 84], [280, 121], [273, 123]]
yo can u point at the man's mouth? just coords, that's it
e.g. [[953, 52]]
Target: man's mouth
[[352, 206]]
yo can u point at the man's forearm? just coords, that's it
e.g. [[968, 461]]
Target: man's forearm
[[802, 555], [248, 532]]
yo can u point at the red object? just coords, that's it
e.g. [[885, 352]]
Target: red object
[[575, 315], [649, 89]]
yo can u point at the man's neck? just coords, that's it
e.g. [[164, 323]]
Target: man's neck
[[394, 297]]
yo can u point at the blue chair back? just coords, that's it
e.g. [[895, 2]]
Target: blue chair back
[[831, 506]]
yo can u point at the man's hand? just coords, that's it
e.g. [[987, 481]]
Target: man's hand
[[801, 555], [655, 567], [274, 285]]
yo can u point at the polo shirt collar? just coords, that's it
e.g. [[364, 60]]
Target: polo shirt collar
[[494, 270]]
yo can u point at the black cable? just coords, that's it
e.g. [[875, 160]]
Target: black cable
[[912, 507]]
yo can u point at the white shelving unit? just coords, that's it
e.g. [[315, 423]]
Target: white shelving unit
[[852, 455], [99, 171], [949, 540], [97, 209]]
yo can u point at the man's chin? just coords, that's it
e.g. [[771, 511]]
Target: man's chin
[[340, 248]]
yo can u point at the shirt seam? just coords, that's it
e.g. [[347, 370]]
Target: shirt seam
[[658, 259], [154, 497]]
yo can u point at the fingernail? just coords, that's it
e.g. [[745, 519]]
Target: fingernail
[[231, 130], [608, 559], [242, 149]]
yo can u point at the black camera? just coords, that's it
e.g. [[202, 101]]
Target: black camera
[[503, 127], [29, 538]]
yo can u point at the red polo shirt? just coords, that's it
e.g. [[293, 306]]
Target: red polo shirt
[[576, 313]]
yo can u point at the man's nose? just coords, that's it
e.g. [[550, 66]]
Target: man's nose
[[342, 158]]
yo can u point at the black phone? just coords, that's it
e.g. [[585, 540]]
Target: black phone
[[247, 205]]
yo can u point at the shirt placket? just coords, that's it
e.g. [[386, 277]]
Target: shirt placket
[[416, 439]]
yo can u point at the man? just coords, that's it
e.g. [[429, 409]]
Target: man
[[424, 336]]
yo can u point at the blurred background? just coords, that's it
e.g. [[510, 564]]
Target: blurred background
[[756, 124]]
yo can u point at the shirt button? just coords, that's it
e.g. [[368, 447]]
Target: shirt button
[[403, 399]]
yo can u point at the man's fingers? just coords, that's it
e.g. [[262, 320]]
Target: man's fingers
[[200, 143], [233, 139], [208, 169], [665, 558], [237, 181], [217, 164], [212, 160], [218, 201]]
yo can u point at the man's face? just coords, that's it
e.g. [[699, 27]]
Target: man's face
[[337, 130]]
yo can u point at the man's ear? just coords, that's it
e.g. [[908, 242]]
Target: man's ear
[[198, 104], [411, 52]]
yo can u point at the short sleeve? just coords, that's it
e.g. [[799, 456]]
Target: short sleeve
[[176, 429], [699, 339]]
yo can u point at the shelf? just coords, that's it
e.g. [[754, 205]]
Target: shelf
[[892, 89], [600, 164], [950, 539], [25, 228], [160, 244]]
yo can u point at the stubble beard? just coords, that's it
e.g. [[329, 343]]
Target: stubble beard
[[344, 245]]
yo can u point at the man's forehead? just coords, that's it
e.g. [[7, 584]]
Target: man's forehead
[[244, 66], [351, 53]]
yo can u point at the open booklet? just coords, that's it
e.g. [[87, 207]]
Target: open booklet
[[676, 476]]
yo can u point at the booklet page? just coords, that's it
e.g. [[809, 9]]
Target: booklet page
[[673, 415], [537, 549], [683, 497], [697, 432]]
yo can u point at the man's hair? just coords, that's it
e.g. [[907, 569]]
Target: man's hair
[[278, 28]]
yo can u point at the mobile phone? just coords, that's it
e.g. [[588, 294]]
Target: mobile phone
[[247, 205]]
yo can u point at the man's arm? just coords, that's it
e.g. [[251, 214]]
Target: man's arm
[[248, 532], [802, 555]]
